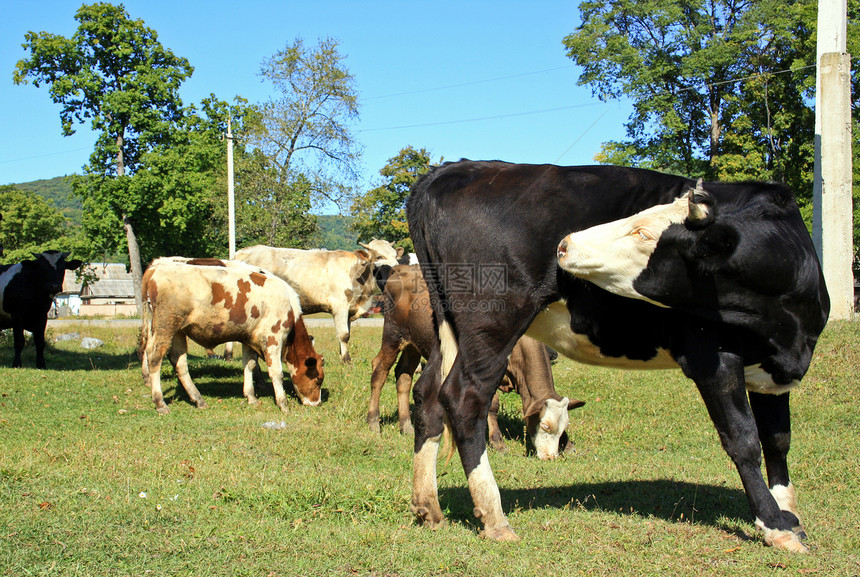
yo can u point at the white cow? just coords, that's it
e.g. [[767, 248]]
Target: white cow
[[338, 282]]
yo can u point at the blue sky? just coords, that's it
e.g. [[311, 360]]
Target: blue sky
[[477, 79]]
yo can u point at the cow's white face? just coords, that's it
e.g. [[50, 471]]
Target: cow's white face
[[554, 420], [614, 254], [382, 252]]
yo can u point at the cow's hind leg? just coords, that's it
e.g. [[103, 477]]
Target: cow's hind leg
[[409, 360], [153, 353], [773, 419], [179, 359], [428, 433], [466, 397], [723, 389], [381, 366]]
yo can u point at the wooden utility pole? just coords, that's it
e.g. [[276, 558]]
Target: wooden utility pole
[[832, 209], [231, 203]]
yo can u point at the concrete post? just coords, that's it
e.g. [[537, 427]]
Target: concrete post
[[835, 216]]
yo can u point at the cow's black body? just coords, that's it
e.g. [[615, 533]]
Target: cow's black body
[[28, 289], [768, 309]]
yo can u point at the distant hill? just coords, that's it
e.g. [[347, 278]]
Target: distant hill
[[60, 192], [334, 233]]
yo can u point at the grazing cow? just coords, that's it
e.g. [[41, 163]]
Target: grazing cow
[[408, 331], [337, 282], [211, 302], [730, 291], [27, 290]]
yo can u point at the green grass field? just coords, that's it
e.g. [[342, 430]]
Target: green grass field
[[94, 482]]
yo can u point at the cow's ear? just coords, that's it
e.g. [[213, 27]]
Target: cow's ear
[[363, 254], [715, 246], [73, 264], [400, 251], [574, 404]]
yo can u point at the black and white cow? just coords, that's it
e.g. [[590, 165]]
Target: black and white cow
[[27, 290], [729, 290]]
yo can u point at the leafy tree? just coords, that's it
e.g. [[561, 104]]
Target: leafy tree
[[31, 225], [381, 212], [270, 210], [721, 89], [304, 141], [114, 73], [184, 181], [687, 68]]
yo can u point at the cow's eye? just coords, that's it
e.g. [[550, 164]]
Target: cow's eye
[[643, 235]]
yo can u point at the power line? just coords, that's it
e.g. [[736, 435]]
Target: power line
[[478, 119], [584, 132], [499, 116], [43, 155], [472, 83], [741, 79]]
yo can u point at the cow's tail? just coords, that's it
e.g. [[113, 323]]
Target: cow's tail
[[422, 213], [145, 314]]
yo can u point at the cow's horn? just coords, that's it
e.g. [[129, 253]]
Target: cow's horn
[[697, 199]]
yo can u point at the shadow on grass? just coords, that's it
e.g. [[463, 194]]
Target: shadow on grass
[[222, 379], [512, 427], [673, 501], [77, 360]]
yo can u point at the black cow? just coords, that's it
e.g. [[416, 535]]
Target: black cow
[[741, 304], [27, 290]]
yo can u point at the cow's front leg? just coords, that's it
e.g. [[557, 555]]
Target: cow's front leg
[[18, 341], [39, 343], [250, 368], [341, 327], [723, 389], [773, 419], [276, 373], [428, 433], [494, 432]]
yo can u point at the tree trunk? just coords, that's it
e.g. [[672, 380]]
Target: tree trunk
[[715, 135], [134, 261]]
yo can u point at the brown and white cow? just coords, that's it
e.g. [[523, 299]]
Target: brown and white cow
[[408, 331], [337, 282], [214, 301]]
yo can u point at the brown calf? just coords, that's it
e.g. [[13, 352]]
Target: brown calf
[[211, 302], [408, 331]]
